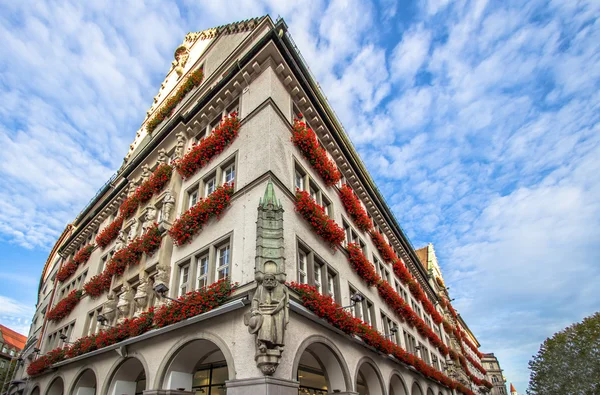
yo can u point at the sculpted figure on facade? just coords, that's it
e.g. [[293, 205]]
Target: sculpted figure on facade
[[133, 231], [124, 304], [182, 55], [121, 240], [180, 147], [162, 156], [132, 187], [141, 295], [168, 205], [149, 218], [109, 308], [145, 173]]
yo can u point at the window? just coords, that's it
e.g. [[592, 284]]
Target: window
[[202, 271], [318, 267], [192, 198], [390, 329], [210, 379], [184, 273], [331, 283], [367, 306], [299, 180], [315, 271], [233, 107], [356, 310], [302, 264], [92, 322], [411, 343], [327, 206], [199, 137], [2, 364], [424, 353], [229, 173], [224, 257], [210, 184], [205, 266], [215, 122]]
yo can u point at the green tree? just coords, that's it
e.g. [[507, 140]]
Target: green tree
[[6, 375], [569, 361]]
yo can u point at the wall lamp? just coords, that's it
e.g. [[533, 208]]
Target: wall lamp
[[354, 299], [393, 331], [161, 290]]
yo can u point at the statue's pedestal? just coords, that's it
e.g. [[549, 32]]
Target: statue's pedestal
[[262, 386], [268, 361]]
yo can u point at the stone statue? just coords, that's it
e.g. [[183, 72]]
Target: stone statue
[[133, 231], [141, 295], [162, 156], [109, 308], [146, 173], [270, 302], [132, 188], [149, 218], [168, 204], [121, 240], [182, 55], [180, 147], [124, 302]]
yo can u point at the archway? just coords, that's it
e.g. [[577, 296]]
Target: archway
[[35, 391], [57, 387], [416, 389], [368, 379], [397, 386], [199, 366], [430, 391], [128, 379], [85, 384], [319, 369]]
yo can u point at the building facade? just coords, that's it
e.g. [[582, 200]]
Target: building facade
[[494, 374], [11, 344], [242, 198]]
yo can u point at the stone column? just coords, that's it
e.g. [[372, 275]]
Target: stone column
[[265, 385]]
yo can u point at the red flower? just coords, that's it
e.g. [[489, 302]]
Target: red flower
[[191, 222], [166, 110], [305, 139], [324, 307], [97, 285], [64, 306], [110, 232], [355, 209], [211, 146], [316, 217]]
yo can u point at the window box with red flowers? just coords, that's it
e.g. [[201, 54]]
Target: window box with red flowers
[[110, 232], [317, 218], [194, 303], [193, 220], [305, 139], [97, 285], [64, 307], [355, 209], [80, 258], [361, 265], [166, 110], [324, 307], [215, 143]]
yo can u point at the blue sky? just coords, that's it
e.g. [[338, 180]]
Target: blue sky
[[479, 121]]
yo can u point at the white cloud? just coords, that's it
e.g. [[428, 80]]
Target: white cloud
[[410, 54], [15, 315]]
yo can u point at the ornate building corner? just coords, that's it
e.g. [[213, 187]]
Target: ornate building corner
[[269, 312]]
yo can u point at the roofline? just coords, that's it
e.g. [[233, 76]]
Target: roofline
[[311, 88], [56, 248], [164, 132]]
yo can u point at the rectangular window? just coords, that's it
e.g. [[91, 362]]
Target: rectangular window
[[184, 273], [233, 107], [210, 184], [368, 311], [223, 259], [357, 309], [229, 174], [192, 199], [299, 180], [302, 265], [424, 353], [318, 276], [215, 122], [327, 206], [331, 284], [202, 271]]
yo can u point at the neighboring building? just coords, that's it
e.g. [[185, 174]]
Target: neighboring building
[[11, 344], [468, 343], [265, 337], [513, 391], [494, 374]]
